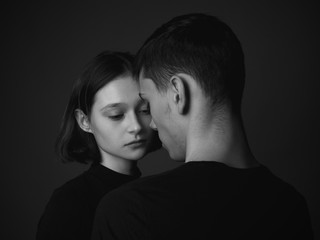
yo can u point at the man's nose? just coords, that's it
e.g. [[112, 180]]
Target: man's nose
[[153, 125]]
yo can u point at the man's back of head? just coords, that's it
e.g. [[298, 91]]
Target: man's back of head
[[203, 47], [200, 60]]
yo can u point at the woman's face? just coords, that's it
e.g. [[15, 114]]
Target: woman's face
[[119, 120]]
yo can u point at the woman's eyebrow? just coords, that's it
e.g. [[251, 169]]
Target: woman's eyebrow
[[111, 105]]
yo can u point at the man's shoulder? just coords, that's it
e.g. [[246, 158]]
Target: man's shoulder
[[280, 185], [142, 183], [138, 190]]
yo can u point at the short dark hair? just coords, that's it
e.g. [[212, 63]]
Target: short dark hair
[[203, 47], [72, 143]]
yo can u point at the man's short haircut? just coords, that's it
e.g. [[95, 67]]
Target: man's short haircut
[[203, 47]]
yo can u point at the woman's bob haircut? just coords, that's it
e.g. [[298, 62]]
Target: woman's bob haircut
[[72, 143]]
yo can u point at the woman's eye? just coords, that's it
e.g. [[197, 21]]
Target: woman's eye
[[116, 117]]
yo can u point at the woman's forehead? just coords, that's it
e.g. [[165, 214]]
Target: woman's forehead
[[119, 92]]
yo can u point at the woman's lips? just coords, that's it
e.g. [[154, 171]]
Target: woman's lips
[[136, 143]]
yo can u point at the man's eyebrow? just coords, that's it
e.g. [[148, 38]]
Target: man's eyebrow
[[141, 96]]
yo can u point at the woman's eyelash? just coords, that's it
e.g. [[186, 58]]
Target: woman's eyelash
[[116, 117], [145, 110]]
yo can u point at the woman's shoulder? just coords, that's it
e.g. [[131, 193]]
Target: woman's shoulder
[[87, 186], [73, 189], [66, 209]]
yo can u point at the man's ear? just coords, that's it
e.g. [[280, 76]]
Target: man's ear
[[82, 120], [181, 93]]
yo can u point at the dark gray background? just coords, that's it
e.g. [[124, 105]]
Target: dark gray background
[[45, 45]]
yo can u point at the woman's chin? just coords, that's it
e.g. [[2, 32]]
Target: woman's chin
[[136, 154]]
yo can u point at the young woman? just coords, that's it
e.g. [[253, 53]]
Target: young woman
[[105, 123]]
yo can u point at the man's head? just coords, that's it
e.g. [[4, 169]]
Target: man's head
[[199, 46]]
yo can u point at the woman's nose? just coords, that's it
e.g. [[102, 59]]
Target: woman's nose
[[134, 125]]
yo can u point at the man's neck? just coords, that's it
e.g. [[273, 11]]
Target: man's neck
[[221, 140]]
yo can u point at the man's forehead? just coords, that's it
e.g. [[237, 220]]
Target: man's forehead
[[141, 74], [146, 84]]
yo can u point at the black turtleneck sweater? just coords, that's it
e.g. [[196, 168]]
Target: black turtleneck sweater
[[70, 211]]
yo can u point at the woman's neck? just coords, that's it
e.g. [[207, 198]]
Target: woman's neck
[[120, 165]]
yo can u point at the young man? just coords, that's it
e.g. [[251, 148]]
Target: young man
[[191, 71]]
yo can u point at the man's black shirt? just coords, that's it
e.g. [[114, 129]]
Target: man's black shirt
[[204, 200]]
